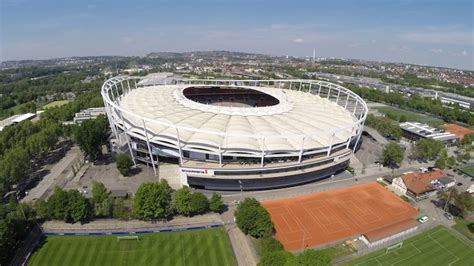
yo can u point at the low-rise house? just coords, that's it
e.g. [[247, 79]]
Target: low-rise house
[[420, 184]]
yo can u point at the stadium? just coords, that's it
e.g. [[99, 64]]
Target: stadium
[[236, 134]]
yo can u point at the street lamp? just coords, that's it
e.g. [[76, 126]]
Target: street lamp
[[241, 189]]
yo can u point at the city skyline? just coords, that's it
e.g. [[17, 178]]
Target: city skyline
[[436, 33]]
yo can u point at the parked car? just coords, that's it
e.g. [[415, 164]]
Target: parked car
[[423, 219], [459, 184], [448, 216]]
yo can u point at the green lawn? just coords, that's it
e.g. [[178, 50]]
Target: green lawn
[[339, 251], [55, 104], [464, 227], [438, 246], [197, 247], [468, 170], [410, 116]]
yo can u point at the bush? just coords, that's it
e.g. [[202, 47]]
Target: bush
[[187, 203], [152, 201], [181, 201], [199, 203], [392, 155], [215, 204], [277, 258], [313, 257], [124, 164], [253, 219], [268, 244], [121, 209]]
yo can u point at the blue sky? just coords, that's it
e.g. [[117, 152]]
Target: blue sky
[[432, 32]]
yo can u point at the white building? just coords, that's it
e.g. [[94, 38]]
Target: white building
[[399, 186]]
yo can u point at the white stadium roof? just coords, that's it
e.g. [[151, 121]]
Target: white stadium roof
[[275, 128]]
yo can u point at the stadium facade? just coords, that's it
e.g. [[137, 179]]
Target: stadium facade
[[237, 134]]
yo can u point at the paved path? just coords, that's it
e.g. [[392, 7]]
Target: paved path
[[108, 225], [332, 183], [60, 172], [242, 247]]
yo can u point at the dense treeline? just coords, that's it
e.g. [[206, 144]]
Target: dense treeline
[[15, 221], [24, 89], [24, 145], [417, 103], [385, 126]]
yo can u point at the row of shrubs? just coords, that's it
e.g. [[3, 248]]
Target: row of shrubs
[[152, 201]]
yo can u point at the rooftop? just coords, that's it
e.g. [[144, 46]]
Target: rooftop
[[426, 131], [419, 183], [281, 128]]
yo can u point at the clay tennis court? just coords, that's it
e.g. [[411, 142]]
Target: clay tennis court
[[324, 217], [457, 130]]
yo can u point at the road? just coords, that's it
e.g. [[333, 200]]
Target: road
[[232, 197]]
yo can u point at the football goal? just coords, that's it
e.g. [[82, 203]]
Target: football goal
[[394, 247], [119, 238]]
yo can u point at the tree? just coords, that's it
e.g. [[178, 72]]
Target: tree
[[121, 210], [99, 192], [426, 149], [442, 158], [402, 118], [58, 205], [253, 219], [199, 203], [101, 200], [90, 135], [312, 257], [124, 164], [79, 209], [7, 241], [465, 202], [152, 200], [182, 201], [468, 139], [268, 244], [41, 208], [392, 154], [215, 204], [447, 196], [187, 203], [68, 206], [451, 162], [276, 258]]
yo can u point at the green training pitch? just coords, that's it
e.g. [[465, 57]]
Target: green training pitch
[[196, 247], [409, 115], [437, 246], [55, 104], [468, 170]]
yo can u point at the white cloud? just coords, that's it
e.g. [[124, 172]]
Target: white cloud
[[436, 50], [298, 40], [439, 36]]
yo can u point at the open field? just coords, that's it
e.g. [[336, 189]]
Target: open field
[[55, 104], [410, 116], [336, 215], [467, 169], [195, 247], [438, 246]]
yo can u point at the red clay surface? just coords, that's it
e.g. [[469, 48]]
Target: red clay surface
[[324, 217]]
